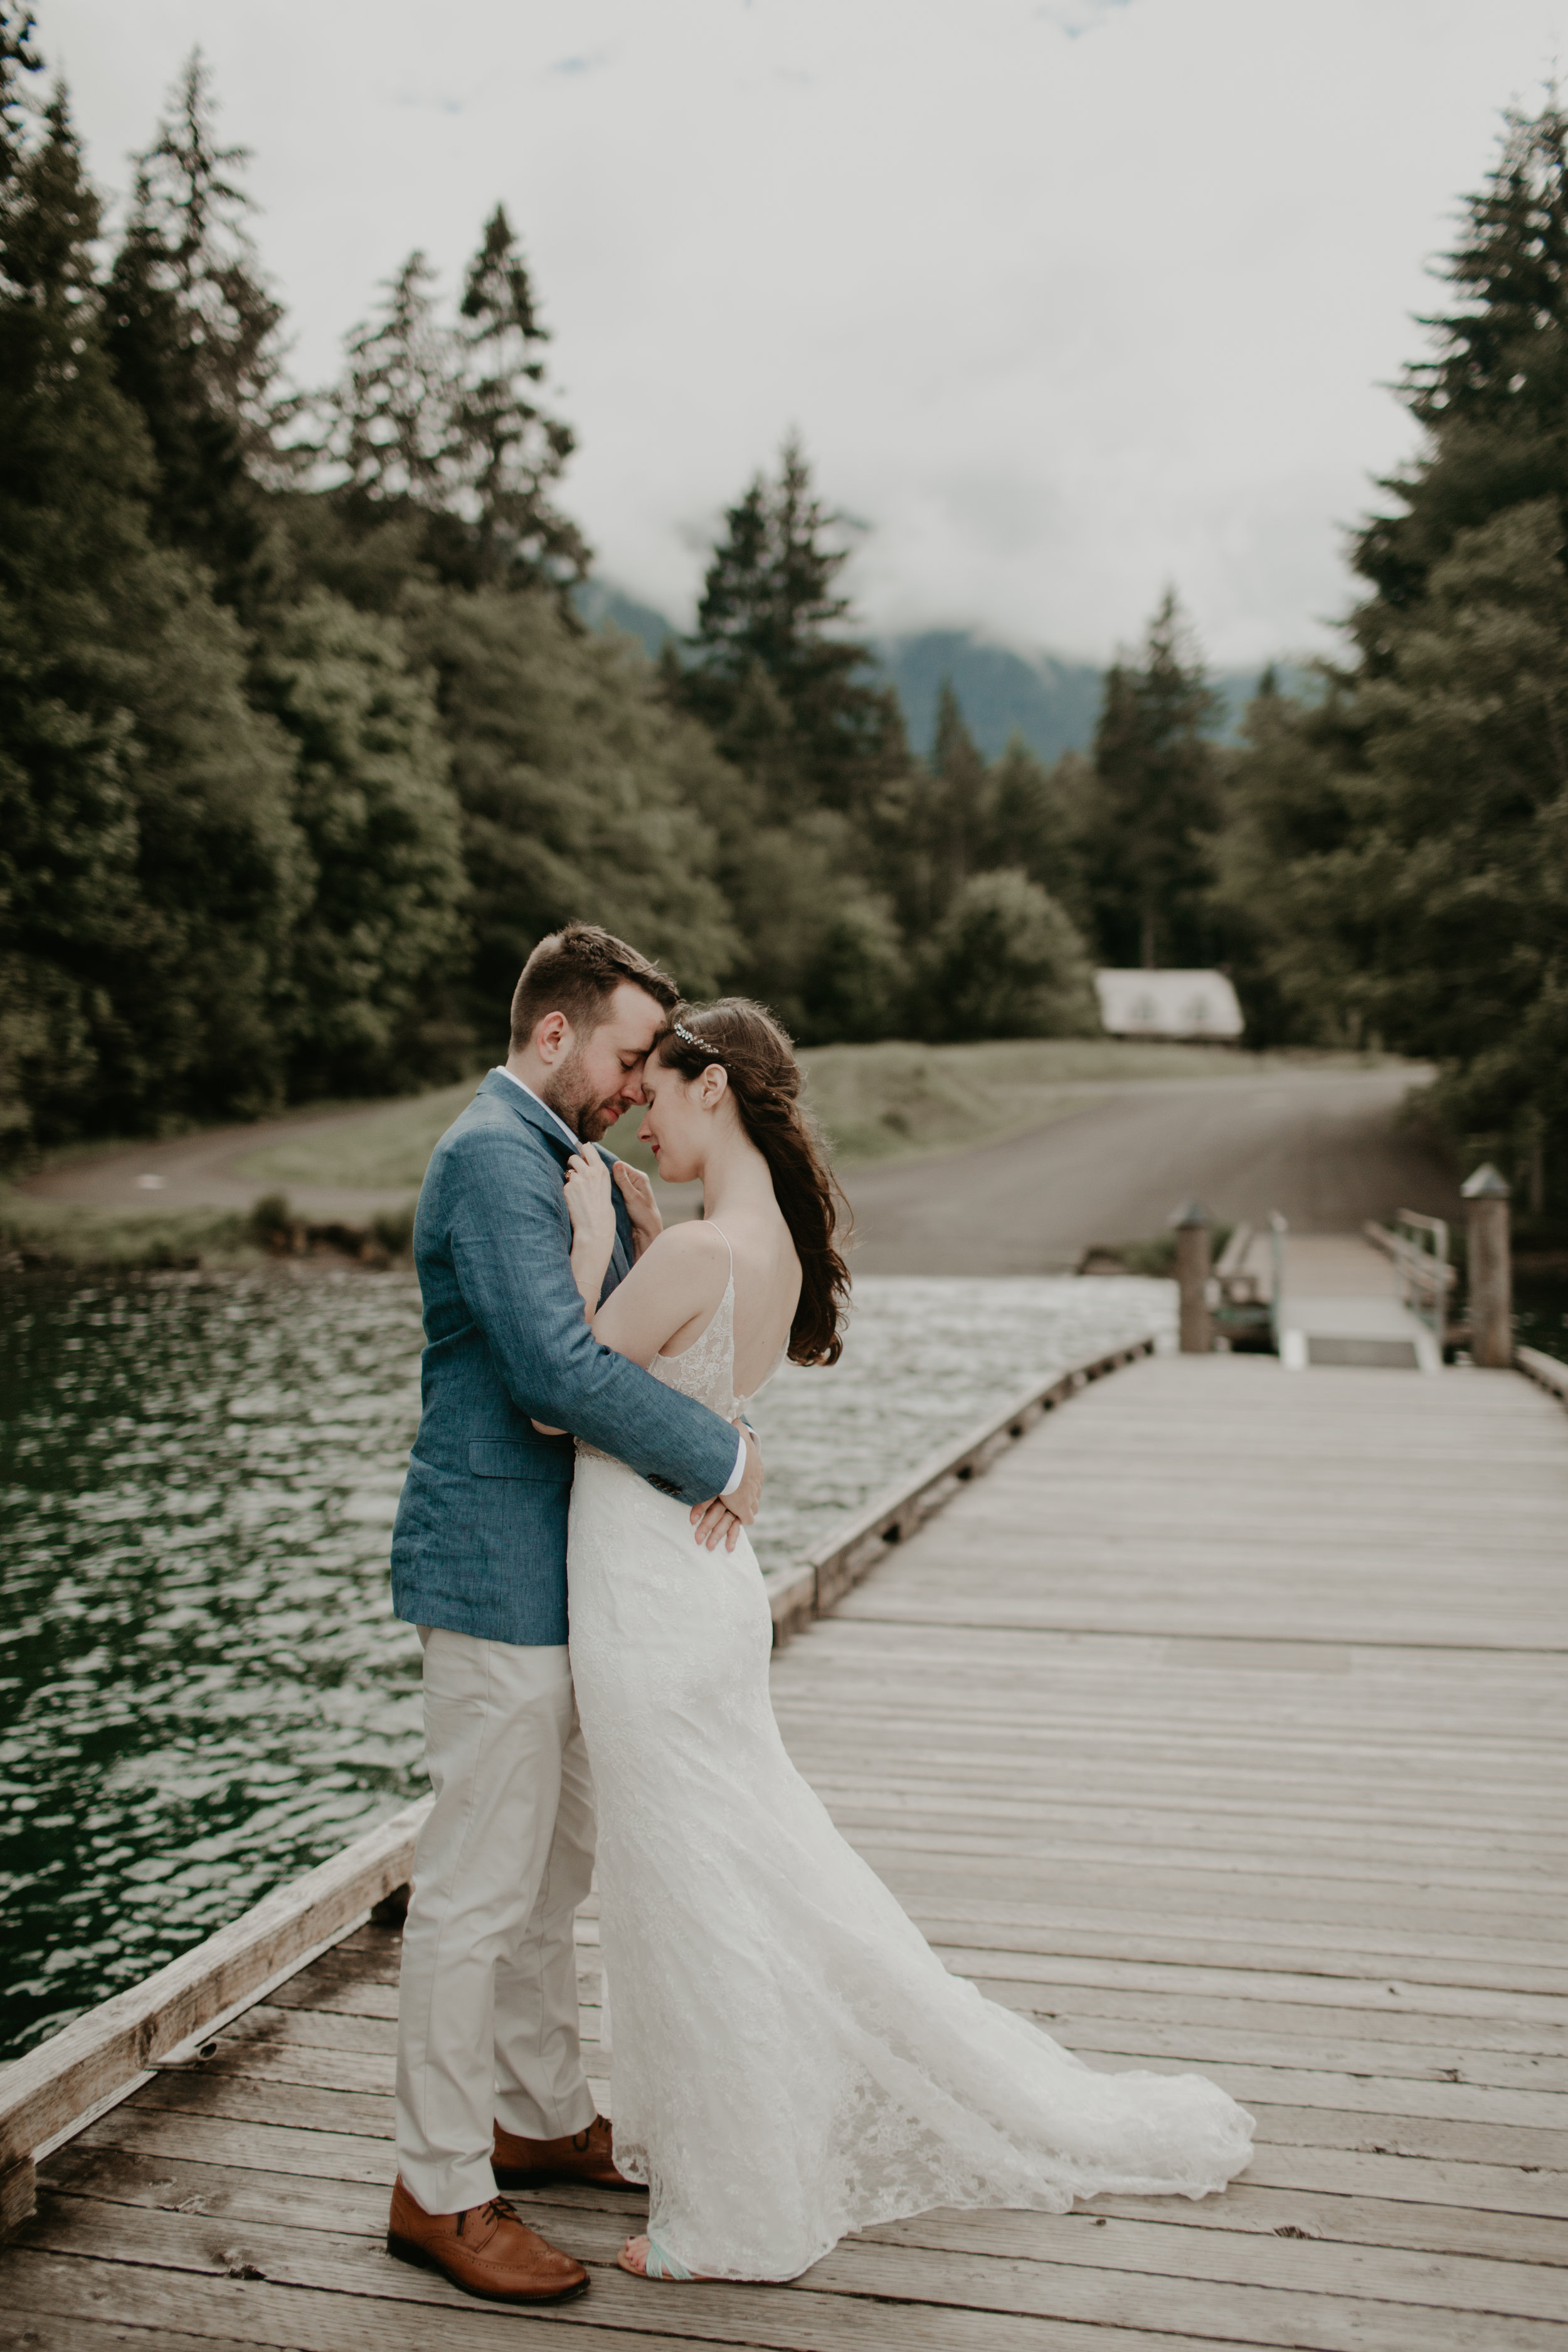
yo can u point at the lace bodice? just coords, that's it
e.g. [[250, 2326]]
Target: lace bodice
[[705, 1369]]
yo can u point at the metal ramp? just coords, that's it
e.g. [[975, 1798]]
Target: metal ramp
[[1341, 1298]]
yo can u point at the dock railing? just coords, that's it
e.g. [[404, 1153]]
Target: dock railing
[[1418, 1246], [54, 2091]]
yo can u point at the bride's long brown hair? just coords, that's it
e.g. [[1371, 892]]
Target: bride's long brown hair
[[759, 1061]]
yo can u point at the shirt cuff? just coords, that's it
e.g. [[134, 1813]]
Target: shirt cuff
[[738, 1473]]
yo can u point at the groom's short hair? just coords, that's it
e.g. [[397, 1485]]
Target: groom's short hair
[[576, 971]]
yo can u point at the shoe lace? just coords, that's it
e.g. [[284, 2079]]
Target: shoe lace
[[494, 2209]]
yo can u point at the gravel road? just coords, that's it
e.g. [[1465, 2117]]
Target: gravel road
[[1321, 1146]]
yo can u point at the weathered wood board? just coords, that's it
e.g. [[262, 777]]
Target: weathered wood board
[[1221, 1724]]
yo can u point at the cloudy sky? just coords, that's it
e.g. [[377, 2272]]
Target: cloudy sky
[[1067, 300]]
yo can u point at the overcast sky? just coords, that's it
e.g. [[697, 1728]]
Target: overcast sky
[[1067, 300]]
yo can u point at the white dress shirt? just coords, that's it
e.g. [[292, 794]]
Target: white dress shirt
[[501, 1071]]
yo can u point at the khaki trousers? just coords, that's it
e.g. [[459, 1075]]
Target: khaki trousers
[[487, 2007]]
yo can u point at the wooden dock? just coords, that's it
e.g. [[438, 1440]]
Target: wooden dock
[[1221, 1724]]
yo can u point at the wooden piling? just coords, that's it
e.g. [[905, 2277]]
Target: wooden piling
[[1192, 1225], [1490, 1267]]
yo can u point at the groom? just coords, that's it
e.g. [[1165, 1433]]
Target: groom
[[489, 2076]]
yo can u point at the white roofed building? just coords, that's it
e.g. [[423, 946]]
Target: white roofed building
[[1195, 1004]]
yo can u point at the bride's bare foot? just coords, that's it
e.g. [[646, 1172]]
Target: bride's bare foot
[[644, 2260]]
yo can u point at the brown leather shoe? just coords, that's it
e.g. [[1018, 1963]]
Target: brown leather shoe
[[486, 2250], [585, 2156]]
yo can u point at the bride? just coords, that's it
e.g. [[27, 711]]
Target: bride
[[792, 2060]]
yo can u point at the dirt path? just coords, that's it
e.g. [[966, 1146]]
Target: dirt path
[[1320, 1145], [199, 1172]]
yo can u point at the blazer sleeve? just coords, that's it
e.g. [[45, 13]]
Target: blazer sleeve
[[512, 1243]]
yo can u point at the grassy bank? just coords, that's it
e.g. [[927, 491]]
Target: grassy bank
[[60, 1232], [875, 1102]]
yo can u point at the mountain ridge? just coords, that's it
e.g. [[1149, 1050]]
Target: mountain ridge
[[1051, 702]]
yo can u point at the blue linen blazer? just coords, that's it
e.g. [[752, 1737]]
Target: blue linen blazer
[[479, 1542]]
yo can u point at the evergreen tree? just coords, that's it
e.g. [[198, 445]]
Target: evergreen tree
[[1493, 393], [150, 867], [1157, 801], [1038, 818], [441, 431], [507, 450], [580, 791], [393, 411], [194, 335], [1457, 881], [376, 955], [1289, 939], [1438, 918], [928, 828], [771, 611], [18, 56], [964, 798]]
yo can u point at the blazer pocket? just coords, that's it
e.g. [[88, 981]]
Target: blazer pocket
[[502, 1457]]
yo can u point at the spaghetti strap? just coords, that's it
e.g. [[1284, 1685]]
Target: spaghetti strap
[[728, 1243]]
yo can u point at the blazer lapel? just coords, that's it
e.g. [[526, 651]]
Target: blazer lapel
[[532, 1113], [515, 1098]]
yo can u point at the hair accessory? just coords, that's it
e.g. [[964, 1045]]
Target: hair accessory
[[691, 1038]]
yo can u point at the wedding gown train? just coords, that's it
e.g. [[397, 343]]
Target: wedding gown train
[[791, 2060]]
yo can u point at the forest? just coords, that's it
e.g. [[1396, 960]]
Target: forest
[[304, 742]]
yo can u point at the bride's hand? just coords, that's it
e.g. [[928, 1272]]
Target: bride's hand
[[592, 1207], [643, 1209]]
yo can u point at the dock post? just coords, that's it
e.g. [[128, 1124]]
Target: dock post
[[1491, 1268], [1192, 1225]]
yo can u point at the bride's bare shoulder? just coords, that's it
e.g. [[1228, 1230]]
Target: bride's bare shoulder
[[690, 1248]]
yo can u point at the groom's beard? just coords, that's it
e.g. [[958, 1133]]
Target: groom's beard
[[568, 1098]]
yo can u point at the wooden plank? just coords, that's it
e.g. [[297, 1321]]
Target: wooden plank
[[168, 2137], [1544, 1371], [330, 2202], [814, 2310], [73, 2331], [859, 1541], [312, 2272], [1144, 2242]]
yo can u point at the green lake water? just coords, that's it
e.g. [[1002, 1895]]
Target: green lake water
[[202, 1689]]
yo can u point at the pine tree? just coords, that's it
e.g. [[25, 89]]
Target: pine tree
[[1493, 393], [1158, 801], [1436, 921], [194, 335], [1038, 818], [149, 868], [964, 798], [771, 609], [376, 956], [581, 791], [18, 56], [393, 411], [506, 449], [1292, 940]]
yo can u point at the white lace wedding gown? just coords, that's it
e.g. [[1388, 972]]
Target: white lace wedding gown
[[791, 2061]]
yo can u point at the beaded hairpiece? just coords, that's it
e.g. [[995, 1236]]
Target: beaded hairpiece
[[689, 1038]]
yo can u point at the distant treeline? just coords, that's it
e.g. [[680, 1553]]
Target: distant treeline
[[303, 743]]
